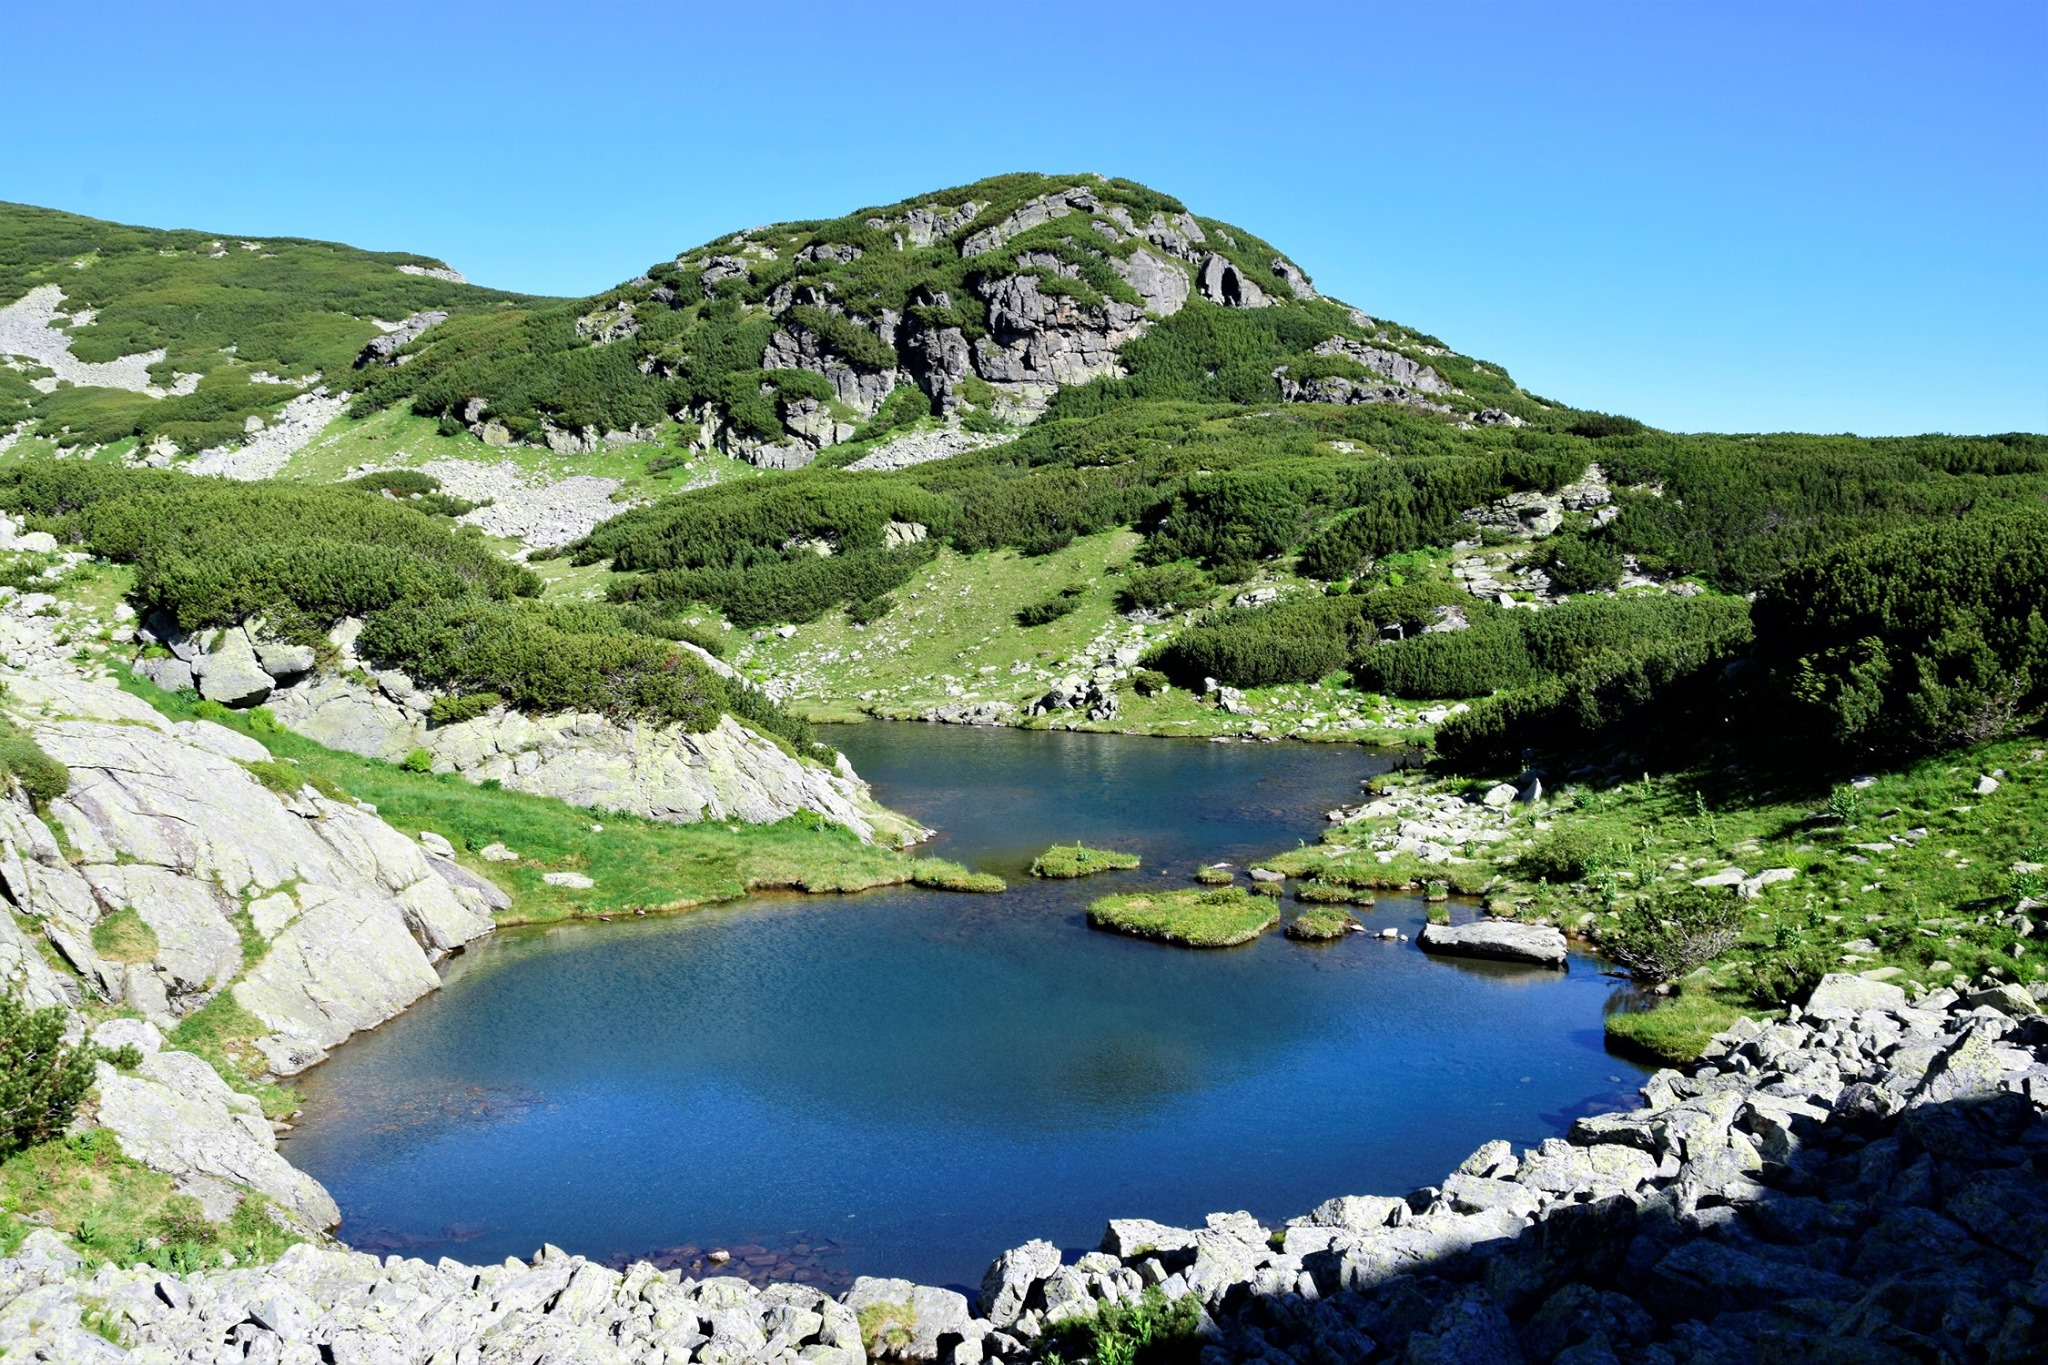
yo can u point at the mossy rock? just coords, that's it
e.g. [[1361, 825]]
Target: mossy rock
[[1322, 924]]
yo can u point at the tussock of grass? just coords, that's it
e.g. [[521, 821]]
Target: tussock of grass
[[1674, 1032], [941, 875], [1329, 893], [1196, 919], [124, 937], [1075, 860], [1321, 924], [1403, 872], [1215, 876]]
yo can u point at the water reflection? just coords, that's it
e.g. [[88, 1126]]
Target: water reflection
[[912, 1081]]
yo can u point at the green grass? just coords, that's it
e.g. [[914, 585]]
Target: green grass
[[1152, 1331], [223, 1034], [941, 875], [1675, 1031], [1077, 860], [1331, 893], [1339, 865], [114, 1210], [1220, 918], [1215, 876], [1320, 924], [123, 936]]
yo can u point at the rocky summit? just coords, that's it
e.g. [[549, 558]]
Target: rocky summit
[[1862, 1180]]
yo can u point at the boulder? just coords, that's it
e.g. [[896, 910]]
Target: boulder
[[230, 673], [1014, 1274], [1841, 996], [903, 1320], [1222, 282], [1501, 940]]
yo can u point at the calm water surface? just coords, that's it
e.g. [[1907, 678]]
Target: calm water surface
[[906, 1082]]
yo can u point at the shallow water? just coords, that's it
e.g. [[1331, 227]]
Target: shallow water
[[906, 1082]]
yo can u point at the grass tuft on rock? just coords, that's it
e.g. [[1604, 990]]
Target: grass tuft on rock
[[1221, 918], [1215, 876], [942, 875], [1076, 860], [1331, 893], [1322, 924]]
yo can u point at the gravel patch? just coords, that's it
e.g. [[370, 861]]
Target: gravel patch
[[264, 453], [28, 328], [541, 514], [922, 447]]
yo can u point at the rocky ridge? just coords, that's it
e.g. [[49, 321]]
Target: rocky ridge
[[1859, 1180]]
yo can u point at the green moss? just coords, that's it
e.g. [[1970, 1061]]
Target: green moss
[[1076, 860], [941, 875], [1220, 918]]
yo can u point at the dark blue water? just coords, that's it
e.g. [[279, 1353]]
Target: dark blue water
[[907, 1082]]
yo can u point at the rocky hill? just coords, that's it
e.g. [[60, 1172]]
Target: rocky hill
[[974, 305]]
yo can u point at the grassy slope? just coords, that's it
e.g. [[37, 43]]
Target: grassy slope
[[953, 639], [219, 309], [637, 864], [1924, 910]]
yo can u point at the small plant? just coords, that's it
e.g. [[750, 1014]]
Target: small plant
[[1569, 854], [1436, 891], [1843, 802], [1215, 876], [1150, 682], [418, 761], [1320, 924]]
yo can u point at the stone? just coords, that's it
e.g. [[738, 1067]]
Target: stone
[[1501, 940], [1135, 1238], [2009, 999], [574, 880], [1220, 281], [282, 660], [219, 739], [1985, 786], [436, 844], [920, 1316], [497, 853], [1733, 876], [1014, 1274], [1841, 996], [230, 674], [172, 675], [1500, 797]]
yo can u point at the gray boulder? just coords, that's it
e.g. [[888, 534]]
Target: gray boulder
[[230, 674], [1500, 940], [1009, 1281], [904, 1321]]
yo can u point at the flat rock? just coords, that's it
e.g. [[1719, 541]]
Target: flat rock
[[1501, 940]]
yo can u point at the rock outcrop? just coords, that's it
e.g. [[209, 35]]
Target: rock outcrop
[[1858, 1181], [663, 772], [166, 824]]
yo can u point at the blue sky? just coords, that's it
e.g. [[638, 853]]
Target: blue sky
[[1807, 216]]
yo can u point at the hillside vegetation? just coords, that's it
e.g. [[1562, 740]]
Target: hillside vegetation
[[229, 328]]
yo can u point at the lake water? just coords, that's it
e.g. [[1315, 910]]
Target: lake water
[[907, 1082]]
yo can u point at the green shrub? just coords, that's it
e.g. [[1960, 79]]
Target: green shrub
[[1320, 924], [1062, 603], [1578, 565], [873, 609], [418, 761], [1149, 682], [1569, 853], [1664, 939], [455, 708], [41, 1079], [1162, 588]]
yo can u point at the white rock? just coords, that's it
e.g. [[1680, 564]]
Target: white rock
[[575, 880]]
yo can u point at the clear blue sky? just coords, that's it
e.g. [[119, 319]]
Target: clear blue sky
[[1749, 217]]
